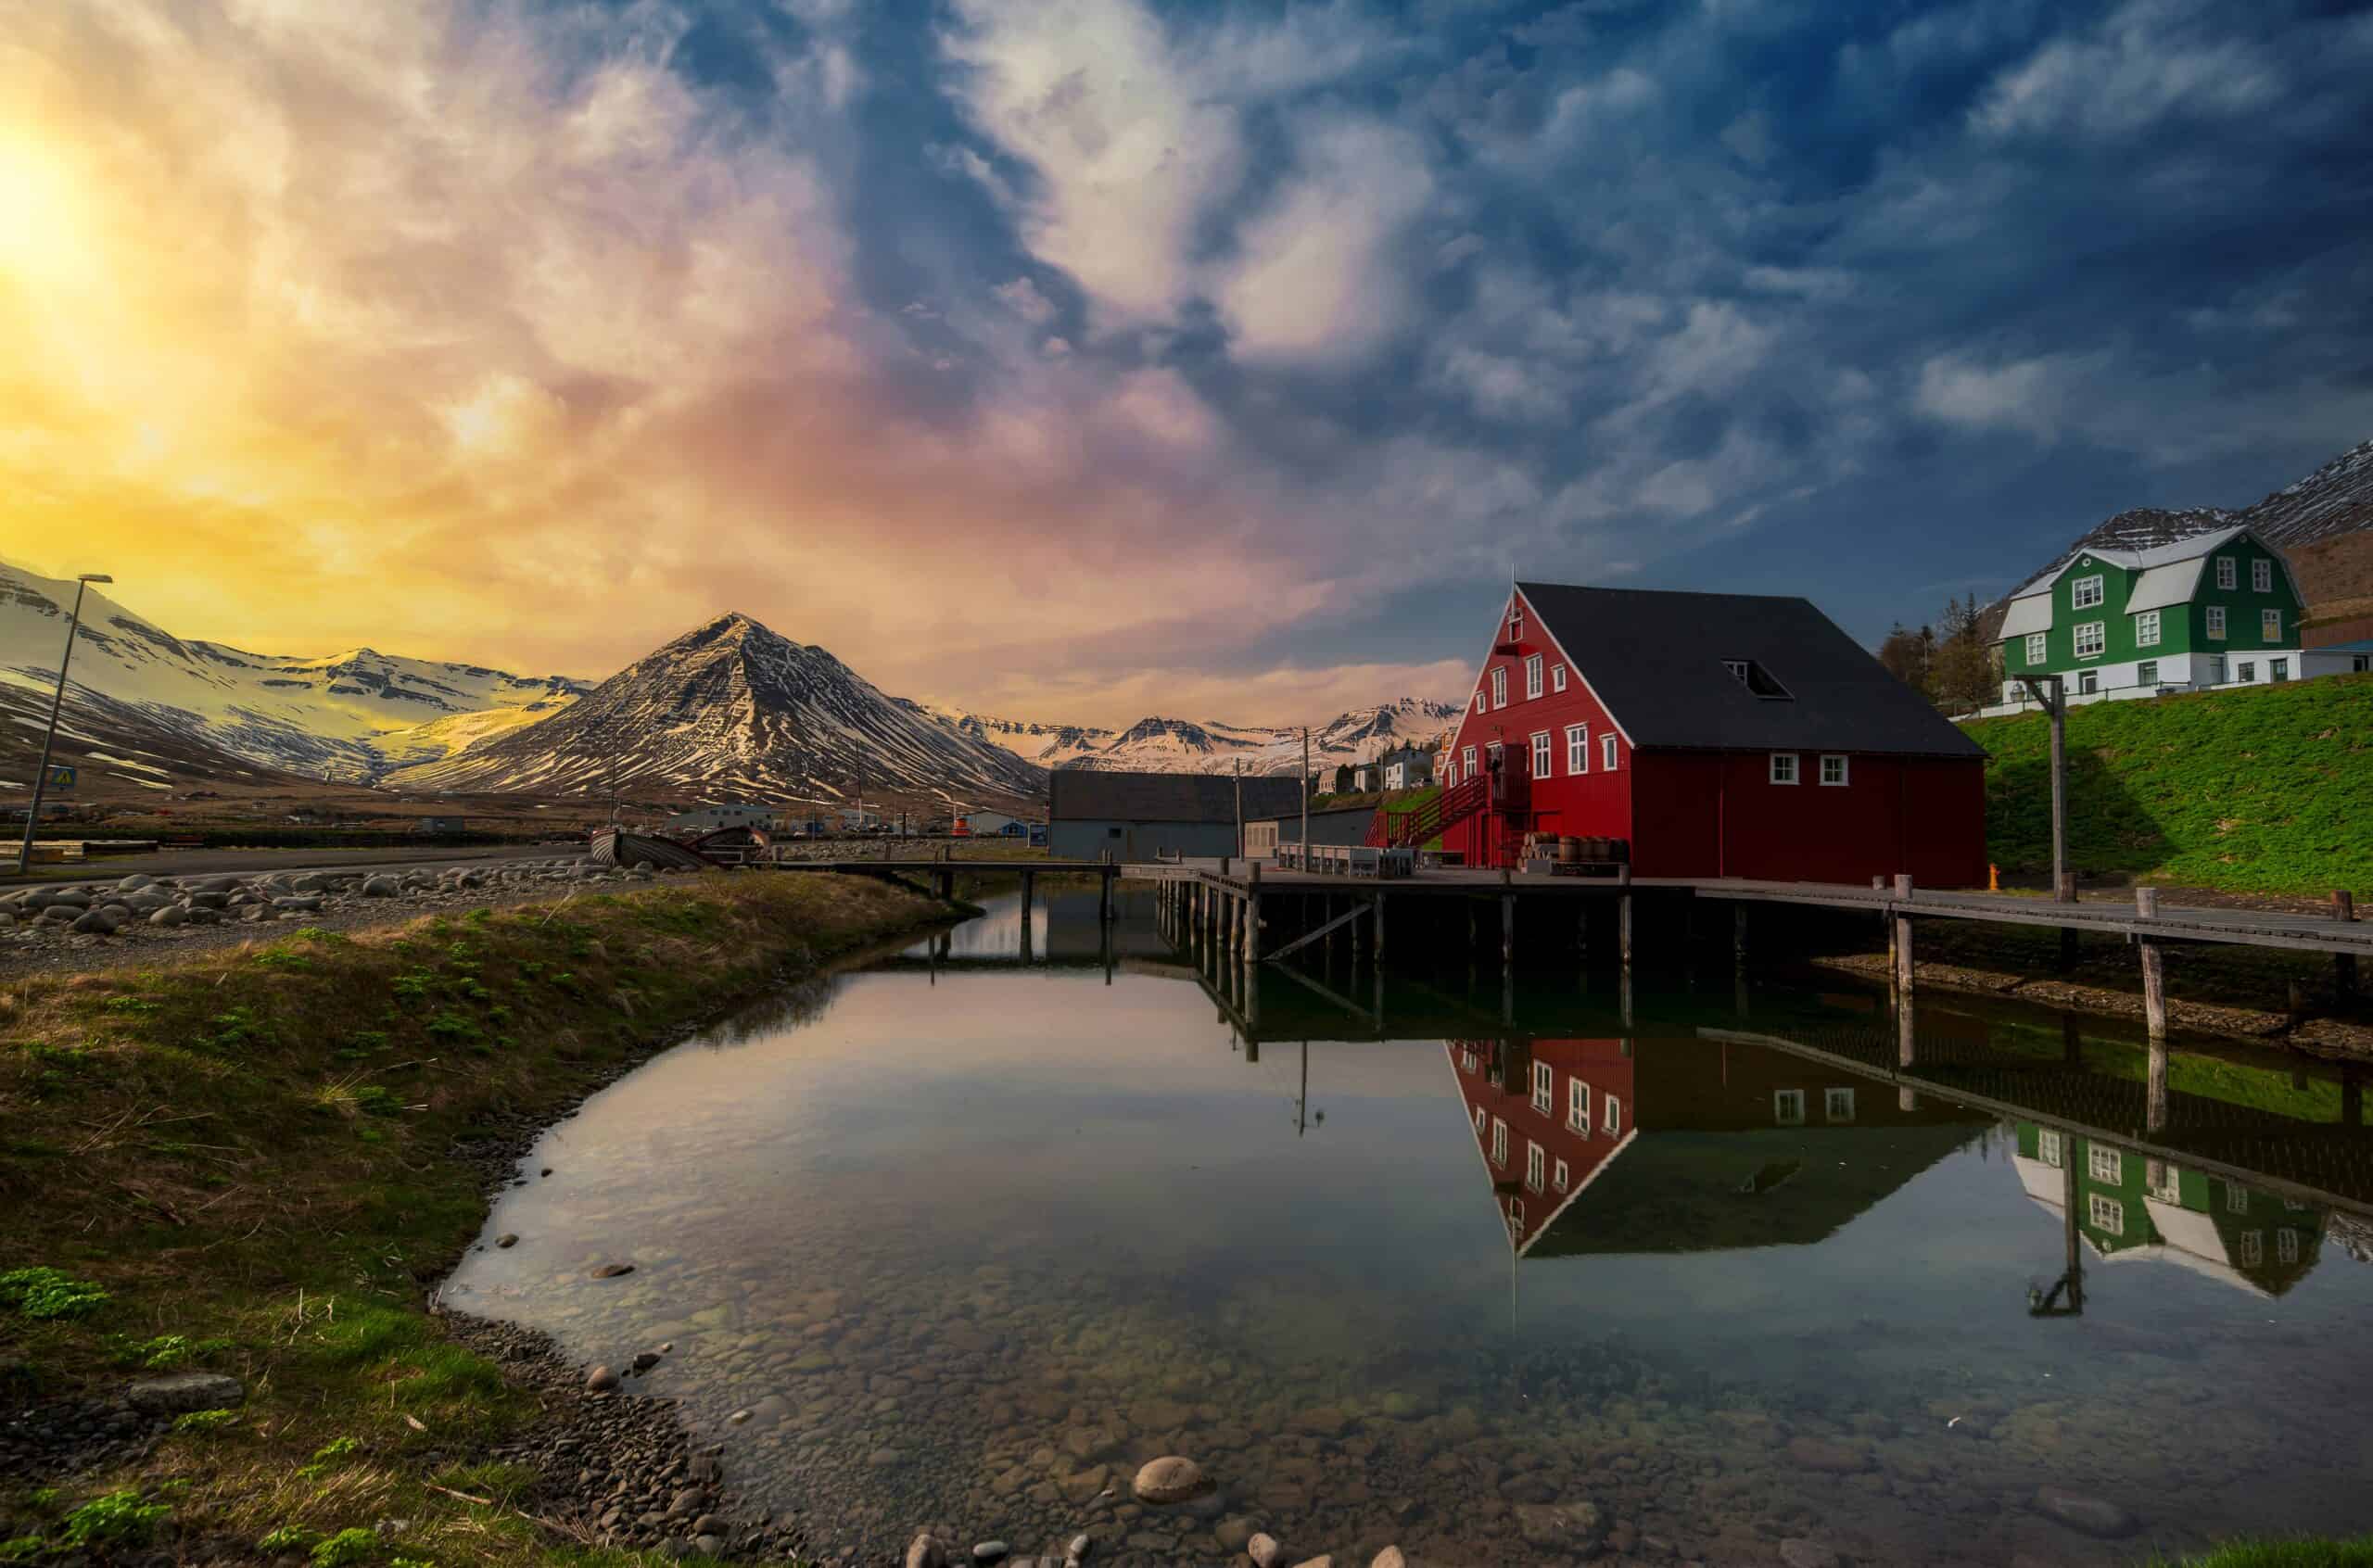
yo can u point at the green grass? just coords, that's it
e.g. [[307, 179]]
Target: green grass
[[2288, 1553], [244, 1164], [2264, 791]]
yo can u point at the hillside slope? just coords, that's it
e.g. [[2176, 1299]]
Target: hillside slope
[[2264, 791]]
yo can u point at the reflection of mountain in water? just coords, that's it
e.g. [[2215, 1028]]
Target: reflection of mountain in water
[[1679, 1145], [2132, 1207]]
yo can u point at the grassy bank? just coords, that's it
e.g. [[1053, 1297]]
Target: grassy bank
[[2264, 791], [254, 1162]]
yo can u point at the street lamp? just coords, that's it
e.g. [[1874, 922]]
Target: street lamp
[[58, 700]]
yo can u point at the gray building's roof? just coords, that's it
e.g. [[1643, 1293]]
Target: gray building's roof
[[1655, 659], [1080, 794]]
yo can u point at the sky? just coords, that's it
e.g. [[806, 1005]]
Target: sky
[[1082, 359]]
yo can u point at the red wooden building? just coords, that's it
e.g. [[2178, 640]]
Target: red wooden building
[[1718, 735]]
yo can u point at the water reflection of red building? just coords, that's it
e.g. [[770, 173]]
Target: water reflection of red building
[[1683, 1144]]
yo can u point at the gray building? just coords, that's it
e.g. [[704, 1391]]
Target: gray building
[[709, 819], [1344, 825], [1140, 816]]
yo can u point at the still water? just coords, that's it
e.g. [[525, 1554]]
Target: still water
[[967, 1239]]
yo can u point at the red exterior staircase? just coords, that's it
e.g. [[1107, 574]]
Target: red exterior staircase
[[1429, 818]]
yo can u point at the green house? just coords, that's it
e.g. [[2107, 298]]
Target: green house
[[2132, 1207], [2218, 609]]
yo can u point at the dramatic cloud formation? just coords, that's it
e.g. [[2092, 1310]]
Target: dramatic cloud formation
[[1092, 358]]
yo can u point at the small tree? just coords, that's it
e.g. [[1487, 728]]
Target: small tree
[[1343, 778]]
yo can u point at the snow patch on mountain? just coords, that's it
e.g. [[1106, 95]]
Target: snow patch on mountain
[[322, 717]]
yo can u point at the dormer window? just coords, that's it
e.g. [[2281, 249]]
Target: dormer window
[[2087, 592], [1757, 680]]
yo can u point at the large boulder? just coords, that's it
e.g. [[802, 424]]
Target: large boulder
[[184, 1392], [171, 914], [134, 882], [381, 887], [1171, 1480], [97, 922]]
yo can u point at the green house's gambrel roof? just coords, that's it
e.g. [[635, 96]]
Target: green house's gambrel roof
[[2169, 574]]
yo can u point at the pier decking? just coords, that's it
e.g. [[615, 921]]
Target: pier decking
[[2249, 928]]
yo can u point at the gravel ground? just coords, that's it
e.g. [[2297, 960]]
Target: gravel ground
[[259, 908]]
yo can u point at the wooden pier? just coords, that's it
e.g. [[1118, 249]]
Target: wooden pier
[[1251, 912]]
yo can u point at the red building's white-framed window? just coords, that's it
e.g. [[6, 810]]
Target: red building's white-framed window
[[1612, 1119], [1577, 1105], [1784, 767], [1544, 1087], [1833, 770], [1564, 1179], [1478, 699], [1536, 1165], [1500, 686], [1516, 623], [1607, 752], [1578, 747], [1466, 755], [1541, 759], [1499, 1142], [1532, 675]]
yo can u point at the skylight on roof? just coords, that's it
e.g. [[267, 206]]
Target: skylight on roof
[[1757, 679]]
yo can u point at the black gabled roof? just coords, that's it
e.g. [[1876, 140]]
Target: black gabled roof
[[1655, 659], [1084, 794]]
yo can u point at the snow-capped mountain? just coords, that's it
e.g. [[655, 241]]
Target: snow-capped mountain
[[2334, 500], [733, 709], [1156, 744], [1048, 745], [343, 717], [1169, 745]]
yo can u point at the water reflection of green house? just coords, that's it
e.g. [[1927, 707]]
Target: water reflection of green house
[[2134, 1208]]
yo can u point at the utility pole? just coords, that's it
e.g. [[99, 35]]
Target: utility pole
[[57, 702], [1305, 797], [1239, 808], [2052, 693]]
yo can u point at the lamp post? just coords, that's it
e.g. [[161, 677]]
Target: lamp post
[[57, 702]]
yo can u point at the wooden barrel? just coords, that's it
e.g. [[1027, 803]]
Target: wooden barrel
[[1569, 849]]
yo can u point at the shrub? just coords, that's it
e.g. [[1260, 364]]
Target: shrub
[[346, 1550], [119, 1518], [48, 1292], [204, 1421]]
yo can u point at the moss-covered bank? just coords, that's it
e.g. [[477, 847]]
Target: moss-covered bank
[[256, 1162]]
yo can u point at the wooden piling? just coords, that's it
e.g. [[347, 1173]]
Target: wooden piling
[[1623, 931], [1738, 937], [2343, 963], [1380, 932], [2155, 982], [1906, 1044]]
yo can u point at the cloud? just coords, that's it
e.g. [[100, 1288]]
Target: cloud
[[1319, 275], [1021, 297], [2024, 395], [1126, 150], [2147, 61]]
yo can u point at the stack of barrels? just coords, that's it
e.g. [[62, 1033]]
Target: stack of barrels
[[1572, 850]]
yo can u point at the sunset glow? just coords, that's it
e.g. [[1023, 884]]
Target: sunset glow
[[1080, 360]]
